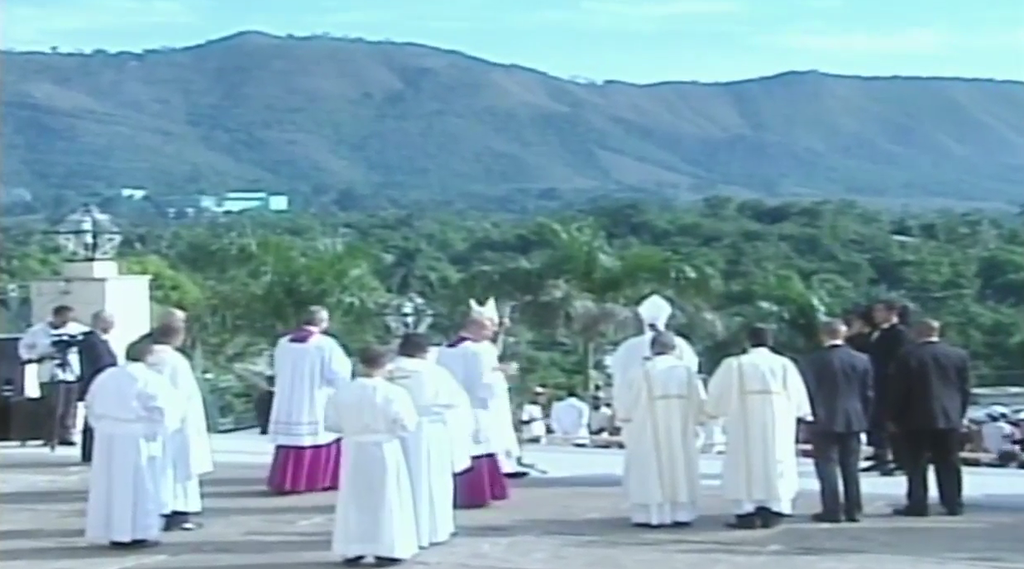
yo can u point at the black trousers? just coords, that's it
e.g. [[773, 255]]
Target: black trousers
[[62, 405], [941, 448], [887, 446], [837, 456], [87, 442]]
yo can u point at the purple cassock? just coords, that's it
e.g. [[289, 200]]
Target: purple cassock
[[483, 482], [300, 469]]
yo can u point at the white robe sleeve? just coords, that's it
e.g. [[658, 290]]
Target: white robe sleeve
[[33, 344], [685, 352], [697, 397], [337, 366], [332, 411], [161, 408], [633, 395], [722, 389], [796, 390], [403, 412], [479, 373]]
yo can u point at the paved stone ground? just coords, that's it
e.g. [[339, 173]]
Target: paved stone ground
[[550, 523]]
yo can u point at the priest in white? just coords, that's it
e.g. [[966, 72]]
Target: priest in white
[[131, 409], [473, 360], [375, 515], [761, 396], [429, 450], [570, 419], [187, 447], [659, 415], [507, 448], [628, 358], [308, 366]]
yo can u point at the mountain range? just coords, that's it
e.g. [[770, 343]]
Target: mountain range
[[349, 123]]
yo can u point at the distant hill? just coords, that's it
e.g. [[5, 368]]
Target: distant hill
[[353, 123]]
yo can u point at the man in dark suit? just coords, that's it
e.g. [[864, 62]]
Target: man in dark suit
[[839, 383], [96, 355], [889, 340], [928, 402]]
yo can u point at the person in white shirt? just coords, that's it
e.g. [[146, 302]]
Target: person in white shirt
[[997, 434], [131, 409], [570, 419], [659, 417], [429, 449], [375, 512], [187, 451], [308, 366], [49, 352], [761, 396], [532, 424]]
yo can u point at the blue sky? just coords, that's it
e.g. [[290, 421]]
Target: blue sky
[[634, 40]]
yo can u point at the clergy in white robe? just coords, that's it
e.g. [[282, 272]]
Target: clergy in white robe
[[473, 360], [308, 366], [659, 417], [761, 396], [429, 449], [131, 408], [375, 515], [187, 448], [628, 358], [570, 420]]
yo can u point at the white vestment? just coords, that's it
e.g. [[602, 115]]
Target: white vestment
[[375, 513], [305, 375], [475, 366], [130, 408], [428, 450], [187, 448], [532, 421], [659, 418], [570, 419], [506, 443], [760, 395], [628, 358]]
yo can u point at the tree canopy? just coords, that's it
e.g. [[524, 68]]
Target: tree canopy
[[571, 280]]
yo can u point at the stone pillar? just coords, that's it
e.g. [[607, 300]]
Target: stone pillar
[[89, 286]]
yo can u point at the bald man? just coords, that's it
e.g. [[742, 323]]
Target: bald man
[[171, 317], [928, 401], [97, 356]]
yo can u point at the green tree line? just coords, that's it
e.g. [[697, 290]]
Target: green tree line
[[571, 280]]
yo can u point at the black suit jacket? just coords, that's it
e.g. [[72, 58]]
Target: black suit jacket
[[96, 355], [839, 383], [932, 387], [885, 348], [861, 341]]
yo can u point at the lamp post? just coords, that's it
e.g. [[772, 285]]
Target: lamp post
[[409, 313], [88, 234]]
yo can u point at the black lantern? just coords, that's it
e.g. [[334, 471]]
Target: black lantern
[[408, 314], [88, 235]]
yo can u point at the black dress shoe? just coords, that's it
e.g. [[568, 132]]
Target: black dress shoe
[[908, 512], [874, 466], [386, 562], [954, 511], [353, 561], [134, 544], [745, 521], [825, 518], [852, 518], [768, 519], [517, 474]]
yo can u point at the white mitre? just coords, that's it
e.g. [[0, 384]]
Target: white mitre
[[486, 311], [655, 311]]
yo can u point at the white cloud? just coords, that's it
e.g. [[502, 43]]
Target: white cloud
[[640, 9], [920, 40]]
